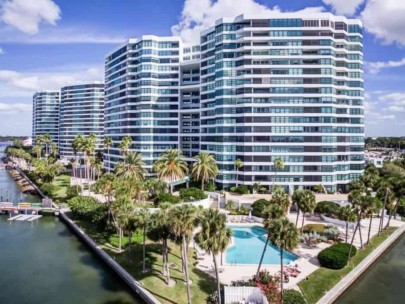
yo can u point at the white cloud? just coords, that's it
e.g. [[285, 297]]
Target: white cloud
[[63, 35], [1, 51], [376, 67], [396, 108], [27, 15], [198, 15], [344, 7], [15, 107], [385, 19]]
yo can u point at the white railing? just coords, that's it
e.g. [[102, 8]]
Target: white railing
[[243, 294]]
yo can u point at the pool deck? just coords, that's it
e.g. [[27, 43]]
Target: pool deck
[[307, 261]]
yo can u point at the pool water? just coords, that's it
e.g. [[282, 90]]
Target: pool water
[[247, 248]]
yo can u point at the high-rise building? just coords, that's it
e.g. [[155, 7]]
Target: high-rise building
[[81, 112], [45, 115], [288, 87]]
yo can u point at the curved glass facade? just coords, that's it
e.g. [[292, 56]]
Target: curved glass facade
[[81, 112], [254, 89], [45, 115]]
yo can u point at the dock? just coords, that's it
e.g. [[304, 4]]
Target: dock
[[25, 217]]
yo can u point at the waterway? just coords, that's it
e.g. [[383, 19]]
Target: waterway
[[43, 262], [383, 282]]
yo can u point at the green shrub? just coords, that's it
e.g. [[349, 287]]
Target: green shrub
[[88, 208], [328, 208], [258, 207], [292, 296], [242, 189], [192, 194], [210, 186], [48, 189], [72, 192], [166, 198], [335, 256], [319, 228]]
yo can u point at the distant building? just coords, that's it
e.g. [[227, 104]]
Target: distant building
[[45, 115], [27, 142], [287, 87], [81, 112]]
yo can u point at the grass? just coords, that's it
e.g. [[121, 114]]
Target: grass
[[323, 279], [61, 184], [131, 259]]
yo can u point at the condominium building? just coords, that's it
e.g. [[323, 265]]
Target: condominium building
[[81, 112], [286, 87], [45, 115]]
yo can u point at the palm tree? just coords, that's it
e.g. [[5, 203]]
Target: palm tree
[[142, 219], [374, 207], [161, 230], [278, 166], [47, 140], [155, 187], [125, 144], [238, 164], [256, 187], [132, 167], [54, 150], [182, 224], [204, 168], [77, 145], [123, 210], [296, 198], [106, 186], [384, 193], [399, 192], [284, 234], [37, 150], [88, 147], [171, 166], [347, 214], [107, 144], [271, 212], [213, 237], [307, 203]]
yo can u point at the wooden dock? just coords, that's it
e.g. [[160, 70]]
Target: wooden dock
[[25, 217]]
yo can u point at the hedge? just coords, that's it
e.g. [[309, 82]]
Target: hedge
[[258, 207], [328, 208], [292, 296], [192, 194], [242, 189], [335, 256], [166, 198], [318, 228]]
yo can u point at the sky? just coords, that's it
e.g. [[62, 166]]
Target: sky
[[46, 44]]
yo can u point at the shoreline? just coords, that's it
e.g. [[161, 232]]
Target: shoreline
[[133, 284], [333, 294]]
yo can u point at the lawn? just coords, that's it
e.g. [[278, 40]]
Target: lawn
[[323, 279], [61, 183], [131, 259]]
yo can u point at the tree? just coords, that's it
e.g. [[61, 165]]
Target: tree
[[398, 186], [142, 219], [161, 230], [132, 167], [213, 237], [278, 166], [125, 144], [37, 150], [171, 166], [123, 210], [155, 187], [306, 203], [106, 186], [256, 187], [384, 193], [182, 224], [347, 214], [204, 168], [284, 234], [107, 144], [238, 164], [374, 207]]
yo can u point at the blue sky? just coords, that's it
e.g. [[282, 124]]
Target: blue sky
[[46, 44]]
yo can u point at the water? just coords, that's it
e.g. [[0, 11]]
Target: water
[[43, 262], [248, 247], [383, 282]]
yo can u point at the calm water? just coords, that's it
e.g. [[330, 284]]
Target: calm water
[[248, 247], [43, 262], [383, 282]]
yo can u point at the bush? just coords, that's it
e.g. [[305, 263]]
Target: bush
[[48, 189], [242, 189], [292, 296], [328, 208], [210, 186], [88, 208], [258, 207], [166, 198], [72, 192], [192, 194], [319, 228], [335, 256]]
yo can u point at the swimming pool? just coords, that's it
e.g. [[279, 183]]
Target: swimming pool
[[247, 248]]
